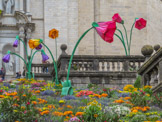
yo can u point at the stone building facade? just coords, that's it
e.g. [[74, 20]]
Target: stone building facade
[[34, 19]]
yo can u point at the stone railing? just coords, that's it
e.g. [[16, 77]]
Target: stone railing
[[151, 70], [42, 70], [108, 71]]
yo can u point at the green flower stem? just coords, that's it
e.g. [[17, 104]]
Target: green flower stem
[[31, 53], [25, 49], [71, 58], [130, 38], [55, 66], [30, 63], [20, 58], [122, 43], [56, 49], [125, 34]]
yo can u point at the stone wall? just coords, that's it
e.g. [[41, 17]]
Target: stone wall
[[73, 17]]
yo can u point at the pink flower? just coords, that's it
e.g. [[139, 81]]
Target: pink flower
[[28, 103], [25, 112], [117, 18], [106, 30], [140, 23]]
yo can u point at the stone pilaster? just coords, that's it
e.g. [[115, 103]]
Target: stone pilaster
[[21, 6], [21, 35], [17, 5]]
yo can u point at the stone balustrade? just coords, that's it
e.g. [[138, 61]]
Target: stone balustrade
[[151, 70], [42, 71]]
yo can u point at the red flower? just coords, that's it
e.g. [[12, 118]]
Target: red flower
[[104, 90], [1, 90], [28, 103], [117, 18], [106, 30], [140, 23]]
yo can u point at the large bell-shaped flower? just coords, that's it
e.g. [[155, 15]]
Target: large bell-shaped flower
[[6, 58], [106, 30], [44, 56], [33, 43], [140, 23]]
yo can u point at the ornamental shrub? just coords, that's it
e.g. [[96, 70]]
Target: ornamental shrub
[[137, 83]]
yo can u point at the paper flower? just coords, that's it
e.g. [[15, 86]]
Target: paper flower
[[53, 33], [6, 58], [44, 56], [16, 42], [140, 23], [33, 43], [106, 30], [117, 18], [39, 47]]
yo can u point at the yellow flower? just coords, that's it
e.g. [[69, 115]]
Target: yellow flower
[[33, 43], [95, 115], [15, 111], [145, 87], [62, 101]]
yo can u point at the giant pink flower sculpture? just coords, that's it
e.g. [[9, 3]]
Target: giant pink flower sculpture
[[106, 30]]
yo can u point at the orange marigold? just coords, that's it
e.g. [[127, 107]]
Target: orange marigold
[[67, 113], [38, 91], [2, 96], [104, 95], [119, 101], [53, 33], [69, 106], [34, 102], [44, 112], [95, 115], [58, 113], [127, 98], [79, 113]]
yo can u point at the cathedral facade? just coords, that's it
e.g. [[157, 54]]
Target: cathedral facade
[[34, 18]]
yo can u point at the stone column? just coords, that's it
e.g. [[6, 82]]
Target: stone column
[[1, 5], [17, 5], [21, 35], [28, 6], [28, 37], [21, 6]]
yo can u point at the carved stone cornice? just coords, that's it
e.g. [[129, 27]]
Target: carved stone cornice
[[31, 26], [21, 17], [7, 27]]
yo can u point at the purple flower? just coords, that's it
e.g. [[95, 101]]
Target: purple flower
[[44, 56], [39, 47], [6, 58], [16, 42]]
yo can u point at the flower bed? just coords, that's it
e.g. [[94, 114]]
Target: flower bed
[[35, 101]]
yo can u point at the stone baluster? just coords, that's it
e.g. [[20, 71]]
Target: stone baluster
[[64, 61], [152, 83], [155, 76], [160, 72], [103, 66], [118, 66], [139, 65], [96, 65], [126, 66], [83, 66], [113, 66], [108, 66]]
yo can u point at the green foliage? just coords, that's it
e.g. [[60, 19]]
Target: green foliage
[[157, 99], [138, 118], [18, 107], [139, 98], [137, 83]]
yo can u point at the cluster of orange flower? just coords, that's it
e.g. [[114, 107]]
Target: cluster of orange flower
[[102, 95], [41, 101], [119, 101], [11, 94], [135, 109], [44, 112]]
